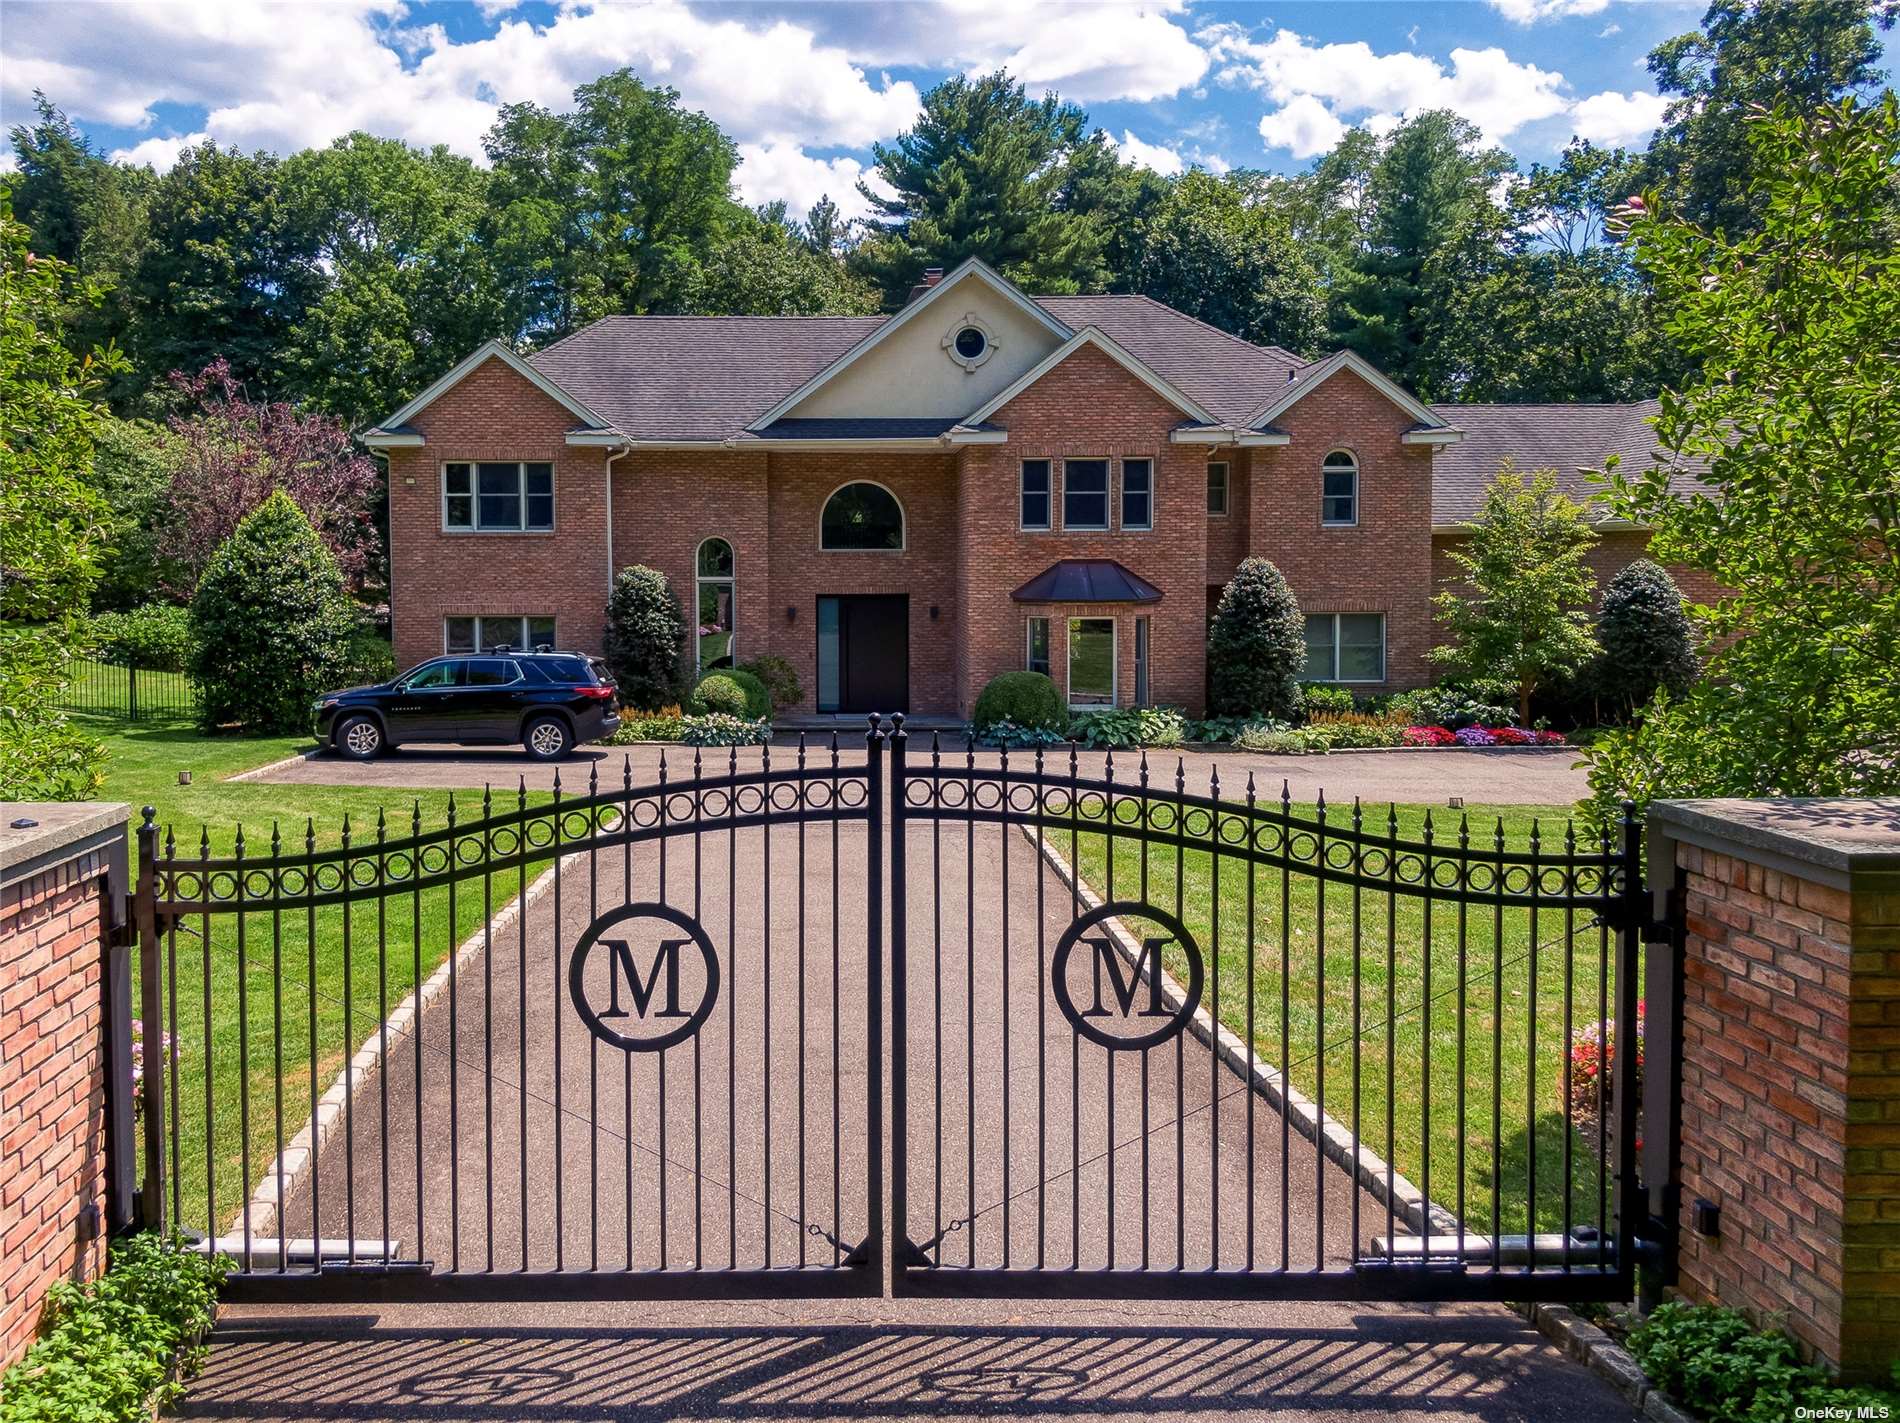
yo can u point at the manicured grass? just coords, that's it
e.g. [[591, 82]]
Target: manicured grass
[[1480, 1019], [245, 1036], [106, 689]]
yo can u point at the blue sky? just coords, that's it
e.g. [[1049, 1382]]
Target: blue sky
[[806, 88]]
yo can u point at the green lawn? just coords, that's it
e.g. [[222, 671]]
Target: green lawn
[[1511, 1036], [238, 1041], [106, 689]]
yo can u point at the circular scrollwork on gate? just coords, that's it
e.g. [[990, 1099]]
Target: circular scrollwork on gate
[[1124, 1008], [644, 977]]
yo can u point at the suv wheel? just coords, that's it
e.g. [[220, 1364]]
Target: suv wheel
[[360, 738], [546, 738]]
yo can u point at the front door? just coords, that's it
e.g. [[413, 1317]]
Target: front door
[[864, 653]]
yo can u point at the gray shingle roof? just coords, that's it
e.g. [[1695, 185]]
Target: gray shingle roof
[[1570, 439]]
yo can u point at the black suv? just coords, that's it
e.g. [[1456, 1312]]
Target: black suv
[[549, 702]]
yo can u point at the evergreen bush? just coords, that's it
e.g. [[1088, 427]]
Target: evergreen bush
[[270, 623], [780, 678], [155, 636], [1647, 640], [1026, 699], [1256, 648], [645, 639], [721, 693]]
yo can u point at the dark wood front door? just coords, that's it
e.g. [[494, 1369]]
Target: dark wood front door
[[864, 653]]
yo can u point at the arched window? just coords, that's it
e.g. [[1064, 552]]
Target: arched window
[[862, 517], [1339, 489], [714, 574]]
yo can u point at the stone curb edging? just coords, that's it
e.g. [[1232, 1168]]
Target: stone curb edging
[[258, 1218], [1603, 1356], [1372, 1172], [277, 765]]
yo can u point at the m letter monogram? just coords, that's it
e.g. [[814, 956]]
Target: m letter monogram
[[641, 992], [655, 983], [1124, 985]]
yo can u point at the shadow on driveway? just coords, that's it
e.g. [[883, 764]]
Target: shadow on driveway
[[1345, 1365]]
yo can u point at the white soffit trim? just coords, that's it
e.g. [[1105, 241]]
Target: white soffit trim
[[596, 439], [499, 351], [903, 317], [381, 439], [1446, 436], [1201, 435], [1315, 376], [1092, 336]]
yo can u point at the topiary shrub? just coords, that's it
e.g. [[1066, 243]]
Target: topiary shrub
[[1028, 699], [270, 623], [1256, 648], [155, 636], [719, 692], [758, 697], [780, 679], [1647, 640], [645, 639]]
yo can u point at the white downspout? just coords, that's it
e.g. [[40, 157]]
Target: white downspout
[[614, 455]]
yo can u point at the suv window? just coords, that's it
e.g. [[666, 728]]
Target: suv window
[[491, 672], [447, 673], [560, 669]]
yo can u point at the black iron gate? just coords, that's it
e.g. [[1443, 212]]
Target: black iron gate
[[1147, 1038], [657, 1072]]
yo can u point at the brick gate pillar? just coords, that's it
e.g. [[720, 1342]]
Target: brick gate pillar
[[1791, 1065], [62, 888]]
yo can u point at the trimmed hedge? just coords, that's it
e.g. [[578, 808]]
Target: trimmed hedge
[[1026, 699], [156, 636], [732, 691]]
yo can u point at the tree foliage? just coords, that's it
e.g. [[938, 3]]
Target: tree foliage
[[270, 623], [645, 642], [1647, 640], [1520, 614], [1792, 421], [52, 524], [1256, 647]]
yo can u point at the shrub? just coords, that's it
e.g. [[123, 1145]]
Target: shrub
[[1216, 728], [719, 692], [1118, 727], [1446, 706], [155, 636], [664, 725], [110, 1345], [723, 729], [780, 679], [1011, 737], [645, 638], [1028, 699], [369, 658], [1256, 646], [1715, 1363], [270, 624], [1318, 697], [1593, 1061], [1279, 739], [1357, 731], [758, 698], [1647, 641]]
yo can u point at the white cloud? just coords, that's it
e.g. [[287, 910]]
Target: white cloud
[[1162, 159], [1610, 29], [1303, 126], [161, 153], [1611, 118], [1349, 81], [771, 171], [1529, 12], [286, 77]]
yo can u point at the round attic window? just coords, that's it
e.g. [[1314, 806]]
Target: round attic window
[[969, 342]]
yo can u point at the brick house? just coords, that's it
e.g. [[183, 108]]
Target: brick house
[[904, 506]]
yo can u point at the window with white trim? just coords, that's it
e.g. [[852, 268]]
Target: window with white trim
[[491, 632], [497, 497], [1217, 488], [1034, 507], [1036, 656], [1138, 494], [1345, 647], [1339, 489], [1085, 494], [716, 586], [1091, 662]]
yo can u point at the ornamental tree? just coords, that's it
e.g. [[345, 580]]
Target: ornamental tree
[[270, 623], [646, 638], [1256, 648], [1520, 615], [229, 452], [1647, 639], [1792, 424]]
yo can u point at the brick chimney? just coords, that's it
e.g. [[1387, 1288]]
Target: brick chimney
[[932, 275]]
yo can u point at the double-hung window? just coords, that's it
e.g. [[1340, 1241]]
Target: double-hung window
[[1034, 512], [1138, 494], [1085, 494], [1339, 490], [1345, 647], [498, 497]]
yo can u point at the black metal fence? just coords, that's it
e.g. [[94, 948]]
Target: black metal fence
[[102, 686]]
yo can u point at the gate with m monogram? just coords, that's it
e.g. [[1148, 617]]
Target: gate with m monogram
[[1145, 1038]]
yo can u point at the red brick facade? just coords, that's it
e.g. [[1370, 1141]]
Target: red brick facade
[[53, 1082], [964, 551]]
